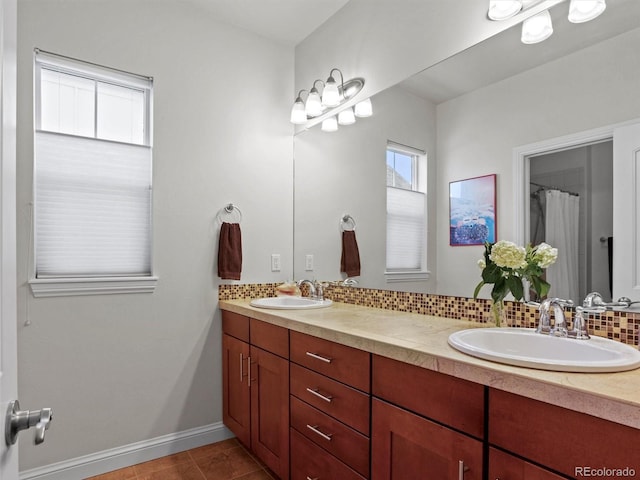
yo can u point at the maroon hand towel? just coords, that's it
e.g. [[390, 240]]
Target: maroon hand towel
[[230, 251], [350, 260]]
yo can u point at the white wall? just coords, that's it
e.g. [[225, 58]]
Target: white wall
[[119, 369], [344, 172], [477, 132]]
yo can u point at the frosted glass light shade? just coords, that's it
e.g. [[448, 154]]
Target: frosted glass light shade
[[503, 9], [330, 124], [313, 107], [298, 115], [537, 28], [364, 108], [346, 117], [584, 10], [330, 94]]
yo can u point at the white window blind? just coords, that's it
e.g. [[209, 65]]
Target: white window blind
[[406, 230], [93, 171], [93, 207]]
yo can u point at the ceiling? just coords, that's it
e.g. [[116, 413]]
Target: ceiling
[[286, 21]]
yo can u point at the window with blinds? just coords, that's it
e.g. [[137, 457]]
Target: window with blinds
[[406, 207], [92, 171]]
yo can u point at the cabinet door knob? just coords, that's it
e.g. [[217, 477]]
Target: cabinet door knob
[[241, 367]]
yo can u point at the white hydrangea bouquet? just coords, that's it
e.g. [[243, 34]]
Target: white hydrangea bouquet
[[506, 265]]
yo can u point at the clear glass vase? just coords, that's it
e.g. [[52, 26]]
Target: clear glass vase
[[499, 313]]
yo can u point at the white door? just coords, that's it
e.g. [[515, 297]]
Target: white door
[[626, 212], [8, 356]]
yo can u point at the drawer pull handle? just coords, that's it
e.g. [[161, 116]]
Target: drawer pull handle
[[326, 398], [314, 429], [319, 357], [241, 367], [461, 469], [314, 478]]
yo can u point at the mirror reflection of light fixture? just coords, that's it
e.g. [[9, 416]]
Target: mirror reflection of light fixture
[[330, 124], [331, 94], [321, 103], [364, 108], [584, 10], [313, 107], [503, 9], [537, 28], [298, 114], [346, 117]]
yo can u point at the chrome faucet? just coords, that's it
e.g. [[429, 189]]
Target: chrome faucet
[[312, 288], [560, 327]]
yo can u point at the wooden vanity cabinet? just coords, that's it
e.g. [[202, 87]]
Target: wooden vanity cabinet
[[503, 466], [560, 439], [415, 417], [256, 387], [330, 409]]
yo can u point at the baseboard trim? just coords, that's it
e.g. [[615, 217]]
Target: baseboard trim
[[108, 460]]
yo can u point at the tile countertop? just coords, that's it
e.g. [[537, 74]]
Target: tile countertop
[[422, 340]]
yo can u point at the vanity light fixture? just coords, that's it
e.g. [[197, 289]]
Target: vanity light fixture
[[330, 124], [584, 10], [364, 108], [503, 9], [325, 97], [313, 107], [298, 114], [539, 27], [346, 117]]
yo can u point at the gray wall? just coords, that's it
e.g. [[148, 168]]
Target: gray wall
[[119, 369]]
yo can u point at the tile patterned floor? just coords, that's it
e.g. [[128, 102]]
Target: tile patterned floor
[[226, 460]]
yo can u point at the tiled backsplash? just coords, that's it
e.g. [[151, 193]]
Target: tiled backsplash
[[619, 325]]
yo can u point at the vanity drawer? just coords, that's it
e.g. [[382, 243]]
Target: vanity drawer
[[347, 404], [235, 325], [531, 429], [271, 338], [310, 461], [345, 364], [443, 398], [343, 442]]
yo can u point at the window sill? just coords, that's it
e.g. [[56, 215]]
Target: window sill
[[61, 287], [395, 277]]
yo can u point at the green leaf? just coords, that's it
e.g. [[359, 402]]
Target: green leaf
[[515, 285], [500, 290], [477, 290], [544, 287], [491, 273]]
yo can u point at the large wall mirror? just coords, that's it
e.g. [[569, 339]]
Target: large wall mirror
[[467, 115]]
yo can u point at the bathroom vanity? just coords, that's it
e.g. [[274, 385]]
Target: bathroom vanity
[[353, 392]]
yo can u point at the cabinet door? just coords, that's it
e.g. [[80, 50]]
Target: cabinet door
[[236, 392], [503, 466], [405, 445], [270, 410]]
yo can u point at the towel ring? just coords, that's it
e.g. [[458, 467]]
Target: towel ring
[[228, 210], [347, 223]]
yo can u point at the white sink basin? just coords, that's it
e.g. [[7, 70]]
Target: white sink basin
[[524, 347], [289, 303]]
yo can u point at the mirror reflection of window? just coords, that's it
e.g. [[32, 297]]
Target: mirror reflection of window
[[406, 209]]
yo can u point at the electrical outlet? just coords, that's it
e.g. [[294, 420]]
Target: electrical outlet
[[308, 262], [275, 262]]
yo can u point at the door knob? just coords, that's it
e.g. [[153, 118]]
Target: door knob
[[18, 420]]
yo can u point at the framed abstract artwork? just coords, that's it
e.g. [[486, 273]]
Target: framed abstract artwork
[[472, 211]]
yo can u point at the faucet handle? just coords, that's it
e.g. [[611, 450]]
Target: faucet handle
[[579, 330]]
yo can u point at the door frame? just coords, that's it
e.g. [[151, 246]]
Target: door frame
[[520, 163], [8, 260]]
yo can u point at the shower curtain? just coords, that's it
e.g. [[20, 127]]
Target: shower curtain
[[562, 233]]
